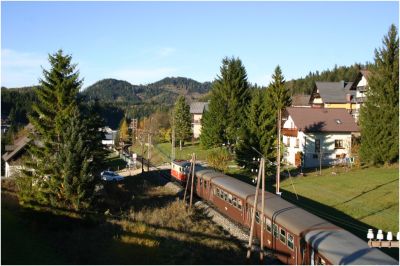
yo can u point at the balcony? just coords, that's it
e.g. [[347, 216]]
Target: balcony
[[289, 132]]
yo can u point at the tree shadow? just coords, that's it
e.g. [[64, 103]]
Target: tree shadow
[[336, 217]]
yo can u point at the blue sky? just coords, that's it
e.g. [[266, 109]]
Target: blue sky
[[143, 42]]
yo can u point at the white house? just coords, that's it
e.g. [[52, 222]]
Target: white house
[[360, 86], [12, 158], [311, 132], [196, 110], [109, 136]]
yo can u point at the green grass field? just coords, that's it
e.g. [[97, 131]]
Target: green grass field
[[370, 196]]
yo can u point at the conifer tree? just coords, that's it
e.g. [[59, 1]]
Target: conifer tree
[[379, 115], [281, 99], [260, 129], [182, 120], [63, 169], [226, 112]]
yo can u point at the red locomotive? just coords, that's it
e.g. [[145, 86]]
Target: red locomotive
[[180, 170]]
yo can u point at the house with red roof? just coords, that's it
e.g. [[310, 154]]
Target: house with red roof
[[317, 134]]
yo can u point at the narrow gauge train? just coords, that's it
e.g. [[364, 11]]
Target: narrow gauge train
[[296, 236]]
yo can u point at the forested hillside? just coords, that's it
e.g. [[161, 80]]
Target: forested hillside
[[164, 91], [305, 85]]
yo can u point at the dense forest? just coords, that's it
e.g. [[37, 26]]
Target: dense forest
[[305, 85]]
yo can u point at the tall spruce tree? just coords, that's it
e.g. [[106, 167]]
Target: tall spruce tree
[[65, 147], [281, 98], [379, 115], [182, 121], [230, 95], [260, 129]]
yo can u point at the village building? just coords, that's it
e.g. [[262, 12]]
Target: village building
[[359, 88], [13, 157], [109, 136], [196, 111], [301, 100], [309, 133]]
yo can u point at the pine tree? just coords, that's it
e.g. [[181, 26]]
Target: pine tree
[[63, 167], [182, 120], [260, 129], [379, 114], [230, 95], [281, 99]]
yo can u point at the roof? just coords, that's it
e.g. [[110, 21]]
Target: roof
[[333, 92], [182, 163], [342, 247], [365, 73], [19, 145], [235, 186], [322, 119], [300, 100], [198, 107], [293, 218]]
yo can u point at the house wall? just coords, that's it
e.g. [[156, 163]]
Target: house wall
[[347, 106], [11, 170], [196, 125], [305, 143]]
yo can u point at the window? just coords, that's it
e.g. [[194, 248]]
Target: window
[[297, 143], [315, 156], [268, 224], [290, 241], [338, 144], [317, 145], [282, 235], [239, 204], [234, 201], [257, 217], [230, 199], [275, 230], [216, 190]]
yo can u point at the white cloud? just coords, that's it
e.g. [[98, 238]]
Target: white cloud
[[21, 68], [143, 76]]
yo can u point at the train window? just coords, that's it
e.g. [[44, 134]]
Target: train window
[[282, 235], [205, 184], [290, 241], [201, 181], [239, 204], [234, 201], [257, 217], [275, 230], [268, 224], [230, 199]]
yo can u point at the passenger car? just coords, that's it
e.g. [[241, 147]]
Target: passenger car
[[111, 176]]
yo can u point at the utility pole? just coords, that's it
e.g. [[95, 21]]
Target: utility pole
[[278, 157], [262, 168], [192, 173], [173, 138], [253, 216]]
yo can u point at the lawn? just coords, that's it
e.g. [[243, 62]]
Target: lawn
[[161, 153], [369, 195]]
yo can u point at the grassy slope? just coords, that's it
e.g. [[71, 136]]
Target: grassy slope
[[154, 229], [370, 195]]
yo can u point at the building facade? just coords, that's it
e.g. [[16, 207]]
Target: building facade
[[312, 136]]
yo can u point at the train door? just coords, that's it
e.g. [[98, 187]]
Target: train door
[[206, 187]]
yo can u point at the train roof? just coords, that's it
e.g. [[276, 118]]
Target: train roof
[[290, 216], [207, 173], [182, 163], [235, 186], [342, 247]]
